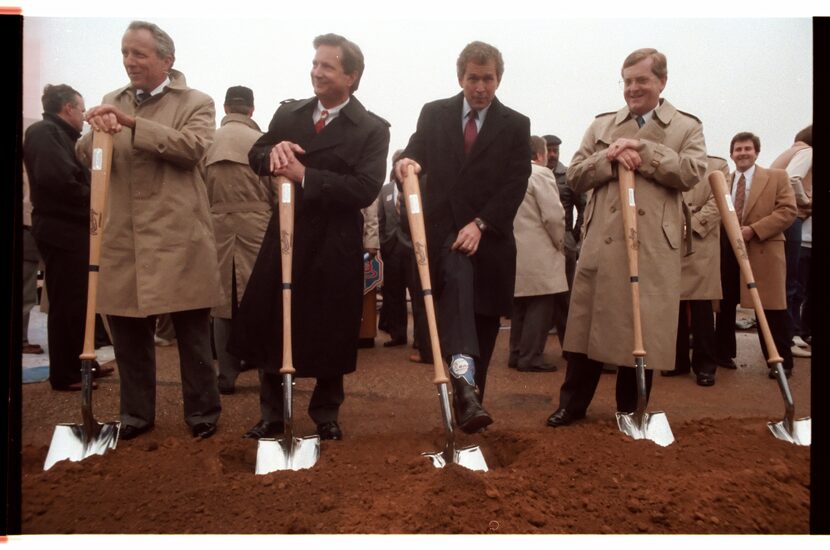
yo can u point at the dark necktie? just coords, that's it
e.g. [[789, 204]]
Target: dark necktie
[[143, 96], [320, 124], [470, 131], [641, 121], [740, 198]]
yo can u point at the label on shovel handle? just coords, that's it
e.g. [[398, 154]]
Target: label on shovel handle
[[286, 193], [97, 159], [729, 204], [414, 205], [631, 197]]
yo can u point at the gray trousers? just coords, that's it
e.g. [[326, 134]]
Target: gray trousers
[[529, 326], [135, 354]]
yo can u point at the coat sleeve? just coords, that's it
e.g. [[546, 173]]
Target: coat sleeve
[[676, 169], [589, 168], [784, 212], [551, 211], [184, 146]]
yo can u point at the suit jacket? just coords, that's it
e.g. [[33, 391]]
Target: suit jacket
[[345, 167], [489, 183], [700, 271], [393, 239], [539, 228], [673, 156], [769, 210]]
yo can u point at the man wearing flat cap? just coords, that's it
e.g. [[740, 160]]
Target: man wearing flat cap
[[240, 206]]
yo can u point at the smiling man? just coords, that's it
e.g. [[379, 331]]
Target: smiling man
[[666, 150], [334, 151], [158, 253], [475, 152]]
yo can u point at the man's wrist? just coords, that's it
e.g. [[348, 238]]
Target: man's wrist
[[482, 226]]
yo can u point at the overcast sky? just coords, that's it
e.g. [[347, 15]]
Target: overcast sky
[[734, 73]]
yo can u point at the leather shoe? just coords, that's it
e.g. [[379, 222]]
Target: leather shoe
[[727, 363], [203, 429], [76, 386], [561, 417], [673, 372], [32, 349], [265, 429], [330, 430], [469, 414], [102, 371], [545, 367], [130, 432], [705, 380], [395, 342], [787, 373]]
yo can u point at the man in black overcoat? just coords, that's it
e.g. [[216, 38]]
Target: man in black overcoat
[[334, 151], [475, 152]]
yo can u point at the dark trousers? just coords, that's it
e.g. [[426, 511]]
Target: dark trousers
[[792, 250], [67, 273], [420, 329], [135, 354], [396, 273], [31, 258], [703, 332], [324, 405], [229, 365], [581, 380], [801, 299], [460, 328], [529, 325], [778, 320]]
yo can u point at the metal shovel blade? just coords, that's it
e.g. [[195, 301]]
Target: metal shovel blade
[[69, 442], [799, 434], [295, 453], [469, 457], [652, 426]]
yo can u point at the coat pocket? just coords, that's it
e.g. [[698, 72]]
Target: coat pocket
[[672, 224]]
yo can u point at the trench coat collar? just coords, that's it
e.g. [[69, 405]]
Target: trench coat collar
[[241, 119], [654, 130], [353, 114], [493, 124], [177, 82]]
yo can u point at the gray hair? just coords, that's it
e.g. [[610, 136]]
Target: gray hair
[[164, 44]]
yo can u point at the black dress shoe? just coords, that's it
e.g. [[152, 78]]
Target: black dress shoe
[[787, 373], [395, 342], [330, 430], [674, 372], [203, 429], [469, 414], [705, 380], [561, 417], [727, 363], [265, 429], [545, 367], [130, 432]]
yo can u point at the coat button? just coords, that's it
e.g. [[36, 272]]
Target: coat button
[[641, 212], [608, 240], [613, 209]]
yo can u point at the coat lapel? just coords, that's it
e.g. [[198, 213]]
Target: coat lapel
[[759, 183], [452, 126], [493, 124]]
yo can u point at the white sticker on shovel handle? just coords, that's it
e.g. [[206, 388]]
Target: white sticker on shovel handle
[[729, 204], [631, 197], [286, 193], [97, 159], [414, 205]]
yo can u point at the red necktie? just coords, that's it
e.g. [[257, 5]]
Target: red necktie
[[320, 124], [470, 131], [740, 197]]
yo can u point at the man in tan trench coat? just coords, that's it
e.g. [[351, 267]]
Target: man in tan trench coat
[[158, 253], [240, 205], [766, 210], [700, 282], [666, 149]]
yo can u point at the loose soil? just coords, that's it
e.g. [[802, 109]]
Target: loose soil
[[725, 473]]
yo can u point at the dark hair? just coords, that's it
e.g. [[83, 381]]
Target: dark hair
[[238, 108], [164, 44], [659, 66], [352, 60], [806, 135], [480, 53], [56, 96], [745, 136], [538, 146]]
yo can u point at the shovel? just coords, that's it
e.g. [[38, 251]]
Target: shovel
[[470, 457], [76, 442], [790, 430], [639, 424], [287, 452]]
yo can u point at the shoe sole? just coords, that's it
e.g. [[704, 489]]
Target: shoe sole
[[476, 423]]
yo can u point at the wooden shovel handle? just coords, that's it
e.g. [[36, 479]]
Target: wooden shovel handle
[[733, 230], [284, 195], [629, 214], [99, 185], [415, 214]]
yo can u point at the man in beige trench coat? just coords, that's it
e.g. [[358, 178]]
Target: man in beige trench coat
[[158, 253], [666, 149]]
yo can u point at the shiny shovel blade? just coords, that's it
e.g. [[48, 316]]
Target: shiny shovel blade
[[652, 426], [68, 442], [469, 457], [298, 453], [800, 435]]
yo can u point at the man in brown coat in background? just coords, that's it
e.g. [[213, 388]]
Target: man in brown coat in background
[[765, 205], [240, 205], [666, 150], [158, 253]]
